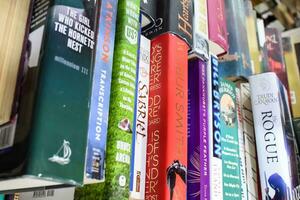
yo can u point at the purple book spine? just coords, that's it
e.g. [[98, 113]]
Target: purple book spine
[[198, 144]]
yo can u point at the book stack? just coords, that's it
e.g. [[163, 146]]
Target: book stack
[[143, 100]]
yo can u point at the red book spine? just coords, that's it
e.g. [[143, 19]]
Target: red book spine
[[167, 121]]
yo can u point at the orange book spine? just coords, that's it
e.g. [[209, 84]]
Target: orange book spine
[[167, 121]]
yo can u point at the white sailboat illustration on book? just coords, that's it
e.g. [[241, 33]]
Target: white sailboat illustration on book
[[65, 158]]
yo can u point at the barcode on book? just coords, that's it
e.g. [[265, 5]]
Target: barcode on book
[[43, 193], [7, 135]]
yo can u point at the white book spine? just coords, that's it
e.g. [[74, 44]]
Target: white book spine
[[249, 139], [244, 195], [273, 158], [140, 141]]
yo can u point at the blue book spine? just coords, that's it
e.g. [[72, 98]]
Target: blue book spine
[[100, 94]]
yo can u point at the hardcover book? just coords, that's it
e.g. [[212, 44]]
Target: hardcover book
[[166, 166], [293, 75], [215, 149], [198, 135], [60, 116], [200, 31], [237, 60], [122, 98], [100, 93], [139, 144], [14, 16], [172, 16], [275, 139], [217, 29], [274, 55], [230, 141]]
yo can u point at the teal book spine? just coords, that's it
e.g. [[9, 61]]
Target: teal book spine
[[60, 121], [230, 142], [122, 101]]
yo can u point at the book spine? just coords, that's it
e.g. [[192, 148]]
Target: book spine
[[121, 112], [200, 31], [244, 195], [100, 94], [230, 141], [275, 59], [172, 16], [274, 136], [60, 119], [237, 60], [141, 125], [167, 123], [198, 139], [217, 28], [215, 149], [250, 143]]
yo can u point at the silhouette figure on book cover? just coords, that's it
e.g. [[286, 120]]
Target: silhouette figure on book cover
[[279, 186]]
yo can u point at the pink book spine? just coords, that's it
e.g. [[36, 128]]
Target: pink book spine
[[217, 29]]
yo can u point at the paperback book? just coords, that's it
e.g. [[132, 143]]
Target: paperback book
[[275, 139], [215, 148], [122, 98], [139, 143], [166, 165], [100, 93], [198, 135], [230, 141]]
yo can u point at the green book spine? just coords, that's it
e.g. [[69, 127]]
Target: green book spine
[[59, 127], [122, 100], [230, 142]]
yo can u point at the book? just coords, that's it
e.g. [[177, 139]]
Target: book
[[242, 162], [251, 28], [148, 15], [13, 35], [292, 75], [217, 29], [237, 60], [58, 136], [200, 46], [166, 165], [275, 139], [215, 149], [198, 135], [122, 98], [100, 93], [275, 55], [139, 144], [171, 16], [230, 141], [252, 175]]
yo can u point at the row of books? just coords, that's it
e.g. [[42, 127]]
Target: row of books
[[125, 96]]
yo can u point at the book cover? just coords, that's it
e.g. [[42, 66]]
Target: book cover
[[100, 93], [13, 19], [237, 60], [139, 143], [172, 16], [198, 138], [48, 194], [121, 112], [252, 175], [59, 127], [215, 149], [274, 55], [166, 166], [230, 141], [241, 143], [293, 75], [148, 13], [275, 139], [200, 46], [217, 28]]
